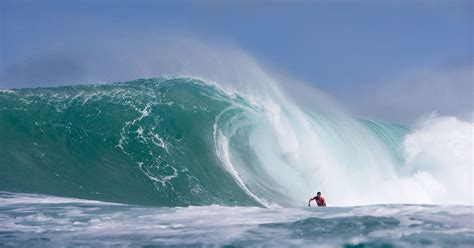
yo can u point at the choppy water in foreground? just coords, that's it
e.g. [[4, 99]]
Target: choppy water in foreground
[[31, 220]]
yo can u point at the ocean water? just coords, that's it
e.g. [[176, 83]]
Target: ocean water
[[38, 220], [183, 161]]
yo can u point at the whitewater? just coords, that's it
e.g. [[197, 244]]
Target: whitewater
[[188, 161]]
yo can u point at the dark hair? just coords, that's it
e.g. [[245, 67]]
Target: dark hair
[[318, 193]]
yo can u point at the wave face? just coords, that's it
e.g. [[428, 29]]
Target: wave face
[[182, 141]]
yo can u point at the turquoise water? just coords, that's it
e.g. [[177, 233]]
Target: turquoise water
[[144, 142]]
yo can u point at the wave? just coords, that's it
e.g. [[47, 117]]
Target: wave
[[179, 141]]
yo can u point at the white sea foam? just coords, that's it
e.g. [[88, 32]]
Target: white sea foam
[[441, 151]]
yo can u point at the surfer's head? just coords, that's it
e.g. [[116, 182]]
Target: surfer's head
[[318, 194]]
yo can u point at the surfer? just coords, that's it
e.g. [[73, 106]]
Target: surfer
[[319, 200]]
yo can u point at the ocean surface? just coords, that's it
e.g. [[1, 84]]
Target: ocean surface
[[182, 161], [37, 220]]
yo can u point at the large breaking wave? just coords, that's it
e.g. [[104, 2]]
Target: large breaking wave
[[177, 141]]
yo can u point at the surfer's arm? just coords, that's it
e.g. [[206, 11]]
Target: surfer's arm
[[309, 202]]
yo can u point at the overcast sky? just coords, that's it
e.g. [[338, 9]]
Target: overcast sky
[[393, 60]]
